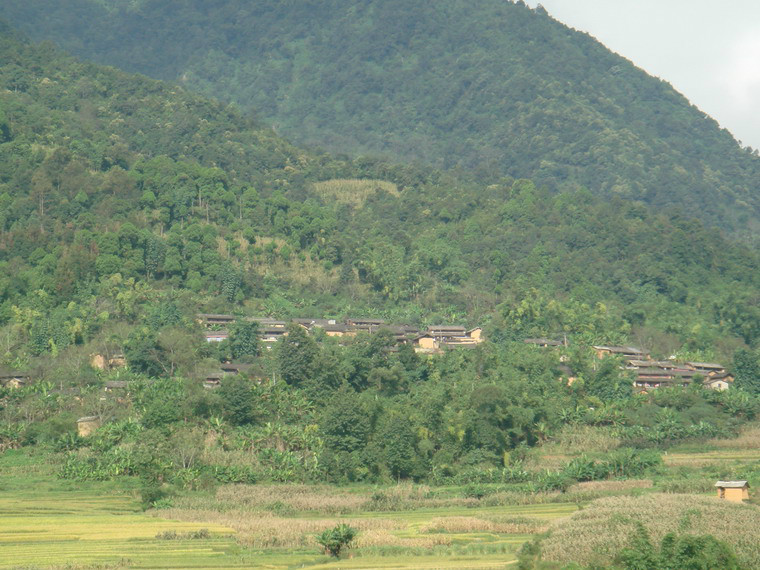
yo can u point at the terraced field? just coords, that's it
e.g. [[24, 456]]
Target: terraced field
[[714, 457], [49, 524]]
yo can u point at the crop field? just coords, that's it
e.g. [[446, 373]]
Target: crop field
[[49, 524]]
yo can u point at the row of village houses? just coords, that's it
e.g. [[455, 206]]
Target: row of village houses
[[432, 340], [649, 373]]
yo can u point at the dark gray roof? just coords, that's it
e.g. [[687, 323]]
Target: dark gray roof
[[234, 367], [272, 331], [620, 349], [544, 341], [365, 321], [719, 376], [732, 484], [706, 365]]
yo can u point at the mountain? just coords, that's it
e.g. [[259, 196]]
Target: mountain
[[115, 187], [490, 87]]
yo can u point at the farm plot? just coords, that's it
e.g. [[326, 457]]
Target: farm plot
[[49, 524]]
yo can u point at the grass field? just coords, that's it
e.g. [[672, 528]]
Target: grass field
[[46, 523]]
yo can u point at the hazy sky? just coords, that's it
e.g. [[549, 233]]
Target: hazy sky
[[709, 50]]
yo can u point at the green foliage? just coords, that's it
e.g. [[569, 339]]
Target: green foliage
[[143, 352], [296, 355], [747, 370], [334, 540], [236, 395], [112, 239], [244, 339]]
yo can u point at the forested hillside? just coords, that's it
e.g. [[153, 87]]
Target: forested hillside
[[128, 205], [104, 173], [491, 87]]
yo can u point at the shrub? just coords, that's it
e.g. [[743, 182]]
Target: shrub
[[152, 493], [335, 539], [677, 552]]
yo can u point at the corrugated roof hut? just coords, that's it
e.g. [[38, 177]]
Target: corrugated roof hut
[[735, 491]]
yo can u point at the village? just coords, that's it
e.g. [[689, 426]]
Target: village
[[648, 374]]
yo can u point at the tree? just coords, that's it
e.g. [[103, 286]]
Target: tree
[[236, 395], [747, 369], [608, 383], [399, 441], [244, 339], [296, 354], [143, 352], [345, 423]]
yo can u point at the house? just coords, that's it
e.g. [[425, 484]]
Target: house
[[476, 334], [106, 362], [116, 385], [335, 330], [309, 324], [567, 373], [425, 343], [626, 352], [664, 364], [215, 320], [87, 425], [734, 491], [438, 337], [213, 380], [366, 323], [443, 332], [266, 322], [234, 368], [647, 378], [11, 379], [719, 382], [402, 334], [705, 368], [270, 335], [217, 336]]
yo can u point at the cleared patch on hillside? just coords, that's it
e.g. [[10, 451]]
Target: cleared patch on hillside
[[353, 192]]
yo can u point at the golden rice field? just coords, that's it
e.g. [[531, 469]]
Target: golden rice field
[[49, 524], [715, 457], [596, 533]]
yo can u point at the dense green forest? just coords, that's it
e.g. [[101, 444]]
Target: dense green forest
[[490, 87], [129, 205]]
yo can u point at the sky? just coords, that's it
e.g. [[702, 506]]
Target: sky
[[708, 50]]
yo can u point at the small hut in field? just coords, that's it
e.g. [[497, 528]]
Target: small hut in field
[[735, 491], [87, 425]]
